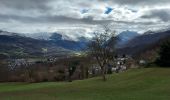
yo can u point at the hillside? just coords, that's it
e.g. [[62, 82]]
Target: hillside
[[143, 43], [135, 84], [20, 46]]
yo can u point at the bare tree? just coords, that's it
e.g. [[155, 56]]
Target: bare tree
[[102, 48]]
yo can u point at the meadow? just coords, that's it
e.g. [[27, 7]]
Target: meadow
[[134, 84]]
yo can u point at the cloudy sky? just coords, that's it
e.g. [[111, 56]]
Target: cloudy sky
[[82, 17]]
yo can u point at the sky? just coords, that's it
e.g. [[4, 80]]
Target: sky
[[83, 17]]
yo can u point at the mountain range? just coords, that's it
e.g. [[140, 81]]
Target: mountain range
[[80, 42], [20, 45], [14, 45]]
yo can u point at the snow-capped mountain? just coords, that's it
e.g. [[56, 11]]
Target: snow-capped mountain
[[47, 35], [17, 46], [54, 38], [126, 36], [40, 35], [69, 43], [8, 33], [79, 44]]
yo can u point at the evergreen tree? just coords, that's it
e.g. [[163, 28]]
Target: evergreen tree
[[164, 59]]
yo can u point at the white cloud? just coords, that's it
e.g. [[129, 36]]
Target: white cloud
[[65, 16]]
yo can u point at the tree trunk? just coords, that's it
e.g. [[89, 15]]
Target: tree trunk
[[103, 73]]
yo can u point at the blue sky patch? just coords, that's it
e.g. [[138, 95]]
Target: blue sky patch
[[83, 11], [108, 10]]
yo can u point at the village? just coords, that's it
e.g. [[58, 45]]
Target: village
[[66, 69]]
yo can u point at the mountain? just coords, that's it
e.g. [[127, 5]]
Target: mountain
[[125, 36], [14, 45], [8, 33], [145, 42], [40, 35], [61, 40], [81, 42], [77, 45]]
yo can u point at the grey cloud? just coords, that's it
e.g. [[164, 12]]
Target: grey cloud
[[138, 2], [162, 14], [135, 23], [52, 19], [25, 4]]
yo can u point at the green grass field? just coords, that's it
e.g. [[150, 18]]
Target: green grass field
[[135, 84]]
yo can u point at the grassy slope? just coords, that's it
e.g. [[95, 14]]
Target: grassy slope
[[136, 84]]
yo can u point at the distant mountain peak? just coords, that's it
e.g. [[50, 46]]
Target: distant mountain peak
[[125, 36], [8, 33], [148, 32]]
